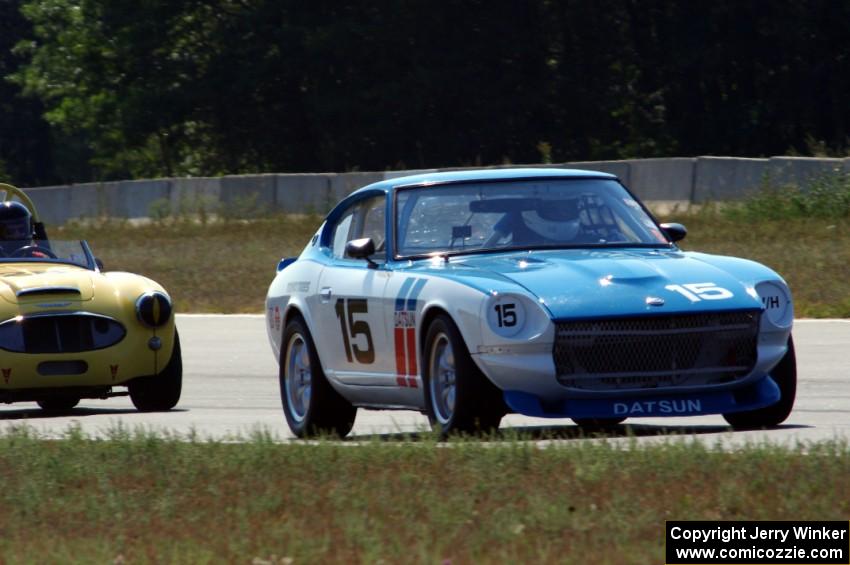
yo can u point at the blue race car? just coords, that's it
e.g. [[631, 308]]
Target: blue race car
[[546, 292]]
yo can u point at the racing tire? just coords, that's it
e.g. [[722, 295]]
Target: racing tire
[[160, 392], [598, 423], [785, 376], [58, 404], [458, 397], [311, 405]]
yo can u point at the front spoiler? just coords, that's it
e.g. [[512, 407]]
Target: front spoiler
[[757, 395]]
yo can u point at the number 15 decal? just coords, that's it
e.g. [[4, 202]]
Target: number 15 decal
[[700, 291], [506, 314], [352, 328]]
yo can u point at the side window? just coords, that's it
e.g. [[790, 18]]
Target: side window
[[342, 232], [374, 225], [364, 219]]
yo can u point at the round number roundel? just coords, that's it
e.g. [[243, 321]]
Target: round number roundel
[[777, 308], [506, 316]]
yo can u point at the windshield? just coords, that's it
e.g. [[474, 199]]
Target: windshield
[[42, 251], [521, 215]]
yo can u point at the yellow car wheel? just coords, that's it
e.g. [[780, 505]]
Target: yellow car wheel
[[58, 404], [160, 392]]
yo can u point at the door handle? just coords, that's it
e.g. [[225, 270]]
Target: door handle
[[325, 294]]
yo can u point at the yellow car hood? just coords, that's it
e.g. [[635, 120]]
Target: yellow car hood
[[24, 283]]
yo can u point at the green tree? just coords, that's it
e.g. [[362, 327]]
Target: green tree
[[205, 87], [107, 69], [25, 148]]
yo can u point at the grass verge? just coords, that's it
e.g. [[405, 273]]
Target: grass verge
[[220, 266], [811, 254], [226, 266], [141, 498]]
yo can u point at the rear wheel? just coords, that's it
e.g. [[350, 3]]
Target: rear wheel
[[459, 397], [311, 406], [785, 376], [58, 404], [160, 392]]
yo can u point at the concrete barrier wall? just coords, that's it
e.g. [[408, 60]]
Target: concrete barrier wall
[[620, 169], [666, 180], [53, 203], [194, 195], [678, 181], [304, 193], [801, 170], [724, 178]]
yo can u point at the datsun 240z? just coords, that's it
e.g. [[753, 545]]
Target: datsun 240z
[[545, 292]]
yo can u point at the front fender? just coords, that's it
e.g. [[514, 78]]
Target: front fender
[[291, 291]]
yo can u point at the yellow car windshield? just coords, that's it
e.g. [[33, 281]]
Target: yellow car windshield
[[53, 251]]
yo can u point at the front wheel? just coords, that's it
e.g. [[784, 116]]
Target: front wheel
[[160, 392], [459, 397], [785, 376], [593, 424], [58, 404], [311, 406]]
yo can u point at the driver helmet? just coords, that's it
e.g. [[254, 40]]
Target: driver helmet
[[15, 222], [556, 220]]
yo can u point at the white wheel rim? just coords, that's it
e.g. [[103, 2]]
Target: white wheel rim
[[298, 377], [442, 378]]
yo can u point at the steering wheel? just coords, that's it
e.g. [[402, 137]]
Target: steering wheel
[[31, 250]]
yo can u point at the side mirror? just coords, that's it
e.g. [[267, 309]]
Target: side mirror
[[674, 232], [361, 249], [99, 263]]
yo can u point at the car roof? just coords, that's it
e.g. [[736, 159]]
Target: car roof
[[485, 175]]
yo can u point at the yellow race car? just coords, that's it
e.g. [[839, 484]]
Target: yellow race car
[[69, 331]]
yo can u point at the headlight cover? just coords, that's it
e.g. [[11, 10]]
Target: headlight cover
[[506, 315], [776, 300], [154, 309]]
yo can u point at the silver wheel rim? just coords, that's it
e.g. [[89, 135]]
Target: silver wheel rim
[[298, 377], [442, 378]]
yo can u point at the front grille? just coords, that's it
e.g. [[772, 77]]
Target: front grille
[[50, 368], [60, 333], [656, 352]]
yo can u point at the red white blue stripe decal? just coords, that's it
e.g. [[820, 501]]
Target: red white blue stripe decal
[[405, 332]]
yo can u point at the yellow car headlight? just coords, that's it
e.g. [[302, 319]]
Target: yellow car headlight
[[153, 309]]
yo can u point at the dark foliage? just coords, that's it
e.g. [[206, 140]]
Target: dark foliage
[[205, 87]]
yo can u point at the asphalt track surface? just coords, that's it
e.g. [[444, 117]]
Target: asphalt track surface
[[230, 392]]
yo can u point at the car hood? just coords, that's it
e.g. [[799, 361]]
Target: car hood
[[23, 283], [609, 283]]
